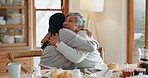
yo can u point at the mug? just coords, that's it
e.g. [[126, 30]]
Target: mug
[[14, 70], [77, 73]]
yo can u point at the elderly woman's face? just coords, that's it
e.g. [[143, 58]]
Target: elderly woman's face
[[71, 23]]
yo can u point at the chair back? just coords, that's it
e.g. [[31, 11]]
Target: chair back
[[102, 52], [14, 55]]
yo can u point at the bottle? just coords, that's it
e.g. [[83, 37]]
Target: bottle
[[37, 73]]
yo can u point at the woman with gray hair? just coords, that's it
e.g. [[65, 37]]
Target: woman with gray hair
[[52, 57], [81, 58]]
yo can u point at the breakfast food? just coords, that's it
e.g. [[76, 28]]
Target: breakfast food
[[112, 66], [66, 74], [55, 73], [59, 73]]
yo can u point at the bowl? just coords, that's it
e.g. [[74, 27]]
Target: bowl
[[19, 38], [14, 16], [8, 39]]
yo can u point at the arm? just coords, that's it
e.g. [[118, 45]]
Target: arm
[[45, 40], [87, 35], [72, 46], [80, 41], [71, 54], [75, 47]]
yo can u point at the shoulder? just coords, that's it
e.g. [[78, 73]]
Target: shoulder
[[66, 35], [49, 48], [83, 34], [66, 31]]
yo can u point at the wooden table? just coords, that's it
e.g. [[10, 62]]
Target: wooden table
[[85, 76], [25, 76]]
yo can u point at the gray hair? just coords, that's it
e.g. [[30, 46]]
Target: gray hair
[[79, 18]]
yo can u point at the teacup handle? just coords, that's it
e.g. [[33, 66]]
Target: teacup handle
[[81, 73]]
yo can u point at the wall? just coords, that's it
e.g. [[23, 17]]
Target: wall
[[111, 24]]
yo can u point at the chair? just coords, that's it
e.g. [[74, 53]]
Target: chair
[[101, 51], [14, 55]]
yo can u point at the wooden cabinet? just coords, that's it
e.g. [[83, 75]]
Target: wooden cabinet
[[14, 32], [14, 24]]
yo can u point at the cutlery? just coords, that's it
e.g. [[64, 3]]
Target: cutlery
[[105, 72], [111, 66]]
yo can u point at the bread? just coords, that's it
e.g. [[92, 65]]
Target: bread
[[66, 74], [59, 73], [112, 66], [55, 73]]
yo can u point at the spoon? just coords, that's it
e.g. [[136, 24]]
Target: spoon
[[111, 66]]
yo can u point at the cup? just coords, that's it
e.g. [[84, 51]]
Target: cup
[[127, 72], [19, 38], [77, 73], [14, 70]]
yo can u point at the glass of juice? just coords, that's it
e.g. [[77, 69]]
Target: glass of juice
[[127, 72]]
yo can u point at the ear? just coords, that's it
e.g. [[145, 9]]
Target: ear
[[78, 28]]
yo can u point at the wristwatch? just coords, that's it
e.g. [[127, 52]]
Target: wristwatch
[[57, 44]]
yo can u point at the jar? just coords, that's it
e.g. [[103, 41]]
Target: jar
[[127, 72], [139, 70]]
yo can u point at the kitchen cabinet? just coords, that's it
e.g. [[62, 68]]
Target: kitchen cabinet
[[14, 32], [13, 24]]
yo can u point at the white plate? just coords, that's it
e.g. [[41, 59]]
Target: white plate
[[101, 74], [46, 73], [101, 67]]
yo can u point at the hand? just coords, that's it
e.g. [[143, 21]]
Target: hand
[[88, 32], [54, 39], [46, 38]]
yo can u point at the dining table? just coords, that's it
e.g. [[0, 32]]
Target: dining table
[[85, 75]]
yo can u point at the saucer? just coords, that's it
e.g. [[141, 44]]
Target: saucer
[[101, 74], [101, 67]]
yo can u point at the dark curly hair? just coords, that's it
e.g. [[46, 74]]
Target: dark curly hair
[[56, 22]]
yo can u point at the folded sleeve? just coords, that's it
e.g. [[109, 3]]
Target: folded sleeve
[[71, 54], [74, 47]]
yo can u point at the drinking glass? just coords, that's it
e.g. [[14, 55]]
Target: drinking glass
[[127, 72], [14, 70]]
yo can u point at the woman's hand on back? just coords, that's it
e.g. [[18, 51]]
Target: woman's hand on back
[[54, 39], [46, 38], [88, 32]]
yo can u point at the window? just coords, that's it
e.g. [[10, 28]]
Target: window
[[43, 9], [137, 28]]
